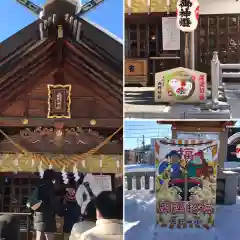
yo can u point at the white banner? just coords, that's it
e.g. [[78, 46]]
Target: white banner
[[104, 182], [170, 34]]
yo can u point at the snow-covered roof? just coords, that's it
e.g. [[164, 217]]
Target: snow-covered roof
[[139, 168], [104, 30]]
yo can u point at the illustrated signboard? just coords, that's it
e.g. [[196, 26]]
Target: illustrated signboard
[[186, 175], [180, 85], [233, 152]]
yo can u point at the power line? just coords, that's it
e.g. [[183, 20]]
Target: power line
[[131, 137]]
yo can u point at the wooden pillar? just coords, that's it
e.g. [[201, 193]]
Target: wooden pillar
[[174, 133], [191, 50], [223, 138]]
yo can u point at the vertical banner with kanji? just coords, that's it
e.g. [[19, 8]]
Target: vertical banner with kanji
[[186, 176]]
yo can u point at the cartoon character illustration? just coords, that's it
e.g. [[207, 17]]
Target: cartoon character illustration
[[198, 166], [170, 167], [181, 87]]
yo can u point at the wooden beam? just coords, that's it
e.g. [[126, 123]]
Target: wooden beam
[[100, 94], [13, 84], [42, 47], [24, 89], [96, 63], [17, 121], [199, 129], [145, 18], [99, 75], [102, 53], [21, 85], [108, 149], [98, 80], [16, 54]]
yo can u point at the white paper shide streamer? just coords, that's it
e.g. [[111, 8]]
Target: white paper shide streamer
[[33, 162], [101, 161], [40, 170], [75, 173], [64, 176], [118, 164], [83, 162]]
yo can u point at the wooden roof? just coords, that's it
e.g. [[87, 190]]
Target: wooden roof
[[93, 63], [198, 126]]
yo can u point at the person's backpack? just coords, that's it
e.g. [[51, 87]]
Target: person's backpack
[[34, 202]]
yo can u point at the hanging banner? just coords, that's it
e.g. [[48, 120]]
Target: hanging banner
[[170, 34], [186, 176]]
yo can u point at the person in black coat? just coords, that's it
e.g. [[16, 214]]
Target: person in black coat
[[70, 209], [44, 221], [9, 227]]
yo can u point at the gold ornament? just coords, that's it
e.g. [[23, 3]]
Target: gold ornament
[[93, 122], [25, 121]]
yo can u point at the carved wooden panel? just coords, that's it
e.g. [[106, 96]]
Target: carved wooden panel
[[137, 6], [219, 33], [136, 67], [161, 6], [140, 6]]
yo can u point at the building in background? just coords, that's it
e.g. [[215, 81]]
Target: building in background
[[140, 155], [130, 157]]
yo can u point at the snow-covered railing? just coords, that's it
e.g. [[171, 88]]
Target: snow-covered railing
[[217, 70], [218, 73], [141, 185]]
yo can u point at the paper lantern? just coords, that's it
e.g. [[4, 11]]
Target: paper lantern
[[187, 15], [238, 151]]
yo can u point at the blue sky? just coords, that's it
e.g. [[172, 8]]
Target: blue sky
[[14, 17], [135, 129]]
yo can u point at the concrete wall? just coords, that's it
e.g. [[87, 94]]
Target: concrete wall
[[219, 6]]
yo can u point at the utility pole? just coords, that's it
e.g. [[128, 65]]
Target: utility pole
[[143, 142]]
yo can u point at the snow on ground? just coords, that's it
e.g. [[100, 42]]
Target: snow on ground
[[140, 221]]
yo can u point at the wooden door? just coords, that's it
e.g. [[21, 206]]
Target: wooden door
[[143, 40], [219, 33]]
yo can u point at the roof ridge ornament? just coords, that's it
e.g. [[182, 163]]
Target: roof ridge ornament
[[80, 8]]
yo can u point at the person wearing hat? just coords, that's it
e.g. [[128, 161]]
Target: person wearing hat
[[70, 209]]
